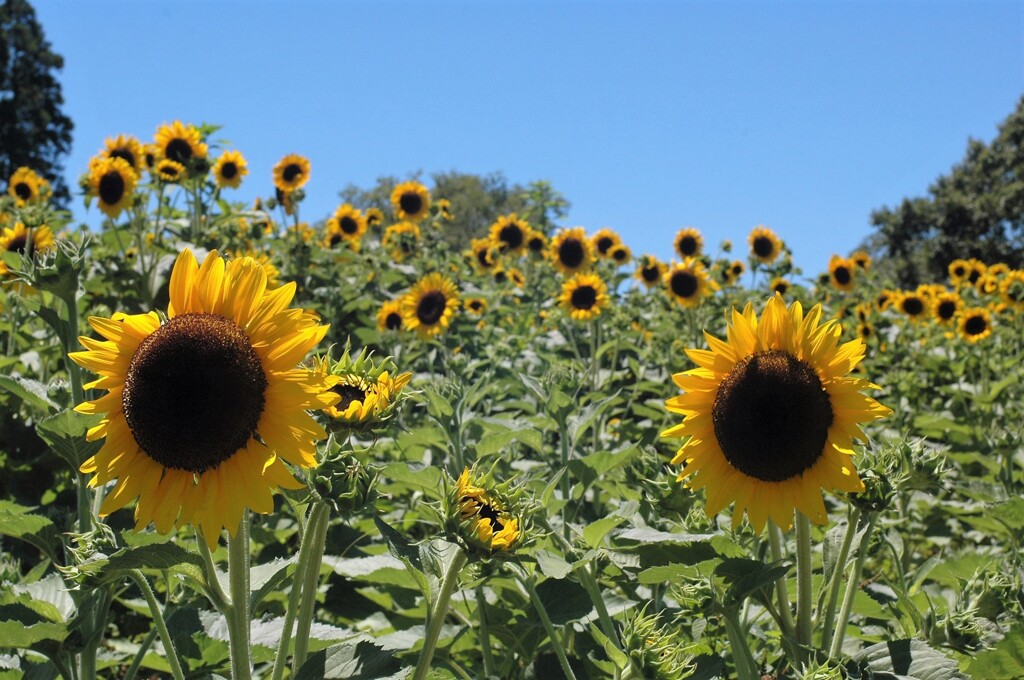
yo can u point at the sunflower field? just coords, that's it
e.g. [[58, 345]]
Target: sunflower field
[[238, 444]]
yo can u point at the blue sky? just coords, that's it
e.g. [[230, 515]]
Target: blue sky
[[648, 116]]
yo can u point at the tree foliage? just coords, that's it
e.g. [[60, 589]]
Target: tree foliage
[[33, 130], [976, 210]]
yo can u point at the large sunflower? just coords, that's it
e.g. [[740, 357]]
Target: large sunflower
[[584, 296], [291, 173], [572, 251], [21, 239], [770, 416], [688, 242], [688, 282], [429, 305], [650, 271], [411, 201], [229, 169], [112, 181], [180, 143], [202, 409], [508, 234], [765, 246]]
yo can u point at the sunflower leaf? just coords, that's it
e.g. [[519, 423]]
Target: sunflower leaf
[[1004, 661], [158, 556], [65, 433], [32, 392], [362, 660], [18, 522], [909, 660]]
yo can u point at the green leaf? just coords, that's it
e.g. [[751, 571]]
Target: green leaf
[[378, 569], [65, 433], [595, 532], [423, 478], [1010, 513], [746, 577], [32, 392], [18, 522], [668, 573], [1005, 661], [17, 634], [265, 578], [909, 660], [357, 661], [159, 556], [614, 653], [552, 565], [564, 600]]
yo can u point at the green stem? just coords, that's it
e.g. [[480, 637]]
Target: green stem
[[746, 667], [851, 588], [316, 536], [438, 613], [158, 620], [238, 614], [556, 642], [775, 539], [485, 636], [214, 591], [805, 596], [563, 440], [836, 579], [133, 670], [589, 581]]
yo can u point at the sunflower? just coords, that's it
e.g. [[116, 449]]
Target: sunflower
[[476, 306], [841, 271], [25, 186], [861, 259], [517, 277], [508, 234], [651, 271], [429, 305], [885, 299], [779, 285], [975, 324], [411, 201], [401, 239], [171, 172], [203, 409], [688, 282], [374, 216], [229, 169], [688, 242], [987, 283], [584, 296], [958, 270], [291, 173], [975, 270], [362, 398], [865, 331], [389, 317], [572, 251], [999, 270], [765, 246], [736, 270], [499, 274], [536, 242], [25, 241], [270, 270], [621, 254], [112, 181], [181, 144], [1012, 289], [604, 240], [945, 307], [483, 519], [912, 304], [347, 223], [444, 209], [128, 148], [770, 416]]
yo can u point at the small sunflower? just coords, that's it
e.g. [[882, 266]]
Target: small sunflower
[[347, 223], [128, 148], [912, 305], [976, 269], [688, 242], [1012, 289], [482, 518], [181, 144], [25, 186], [517, 277], [374, 216], [367, 392], [202, 409], [170, 172], [604, 240], [780, 285], [650, 271], [736, 270], [865, 331], [572, 251], [584, 296], [291, 173], [958, 271], [945, 307], [401, 240], [22, 240], [444, 209], [975, 324], [770, 416], [621, 254], [987, 283], [885, 299], [536, 242], [999, 270], [688, 282], [481, 254], [229, 169], [429, 305], [476, 306], [389, 317], [112, 181], [841, 271], [765, 246], [410, 201], [508, 234]]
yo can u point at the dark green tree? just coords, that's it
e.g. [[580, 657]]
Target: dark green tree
[[976, 210], [33, 130]]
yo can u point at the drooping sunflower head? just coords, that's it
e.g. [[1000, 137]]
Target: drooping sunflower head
[[182, 144], [291, 173], [841, 270], [202, 409], [475, 306], [401, 240], [912, 304], [25, 186], [945, 307], [536, 242], [620, 254], [130, 149], [112, 182], [584, 296], [508, 234], [780, 285], [861, 259], [688, 282], [571, 251], [482, 254], [229, 169], [429, 305], [389, 316], [651, 271], [987, 283], [765, 246], [604, 240], [170, 172], [770, 415], [688, 243], [975, 324], [479, 517], [368, 394], [410, 201], [347, 223], [1011, 289]]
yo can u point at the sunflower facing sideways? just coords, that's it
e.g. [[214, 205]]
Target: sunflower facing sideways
[[584, 296], [170, 172], [429, 305], [21, 239], [765, 246], [229, 169], [688, 282], [410, 201], [112, 181], [202, 410], [770, 415], [571, 251]]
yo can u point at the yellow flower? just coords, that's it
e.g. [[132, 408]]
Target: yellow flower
[[841, 271], [429, 305], [688, 243], [481, 254], [347, 224], [483, 518], [20, 239], [945, 307], [374, 216], [401, 239], [25, 186], [688, 282], [572, 251], [366, 390], [180, 143], [444, 209], [975, 324], [584, 296], [861, 259], [1012, 289], [128, 148], [650, 271], [202, 410], [389, 316], [958, 271], [291, 173], [770, 416], [229, 169], [621, 254], [508, 234], [171, 172], [604, 240], [779, 285], [476, 306], [411, 201], [112, 181], [765, 246], [536, 242], [912, 304]]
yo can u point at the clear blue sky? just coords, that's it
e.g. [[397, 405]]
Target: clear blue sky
[[648, 116]]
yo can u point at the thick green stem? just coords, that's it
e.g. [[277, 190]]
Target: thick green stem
[[851, 588], [317, 514], [158, 620], [805, 595], [238, 615], [836, 580], [746, 667], [775, 539], [438, 613], [316, 536], [214, 591], [549, 627], [485, 636]]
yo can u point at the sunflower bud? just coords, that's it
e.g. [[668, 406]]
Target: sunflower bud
[[482, 517], [877, 494], [654, 650], [369, 394], [343, 483]]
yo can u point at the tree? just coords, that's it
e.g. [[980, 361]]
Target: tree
[[977, 210], [33, 130]]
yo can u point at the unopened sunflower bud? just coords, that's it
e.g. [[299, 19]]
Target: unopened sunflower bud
[[654, 650], [343, 483], [483, 517], [877, 494], [369, 394]]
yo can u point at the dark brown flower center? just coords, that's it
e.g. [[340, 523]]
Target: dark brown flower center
[[393, 322], [842, 275], [584, 297], [228, 170], [348, 224], [111, 188], [334, 239], [291, 172], [687, 246], [683, 284], [23, 190], [771, 416], [946, 309], [974, 276], [780, 287], [620, 254], [476, 305], [913, 306], [349, 394], [571, 253], [194, 392], [959, 271], [536, 244], [431, 307], [650, 274], [763, 247], [975, 325], [511, 235], [483, 257], [178, 150], [411, 203], [17, 244], [604, 244], [125, 154]]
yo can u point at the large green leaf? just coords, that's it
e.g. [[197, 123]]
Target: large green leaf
[[909, 660], [65, 433], [19, 522], [357, 661], [32, 392], [159, 556], [1005, 661]]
